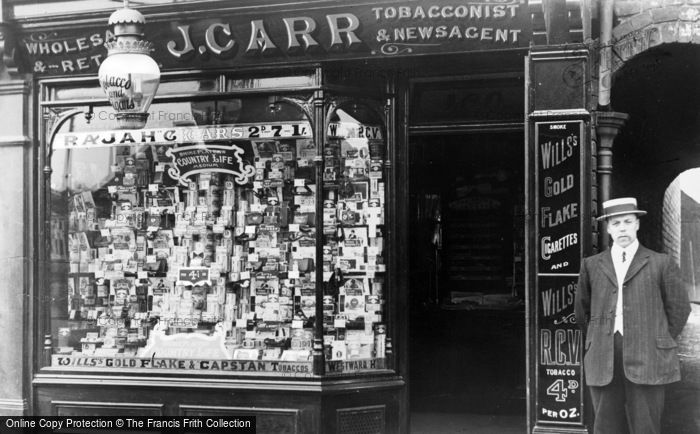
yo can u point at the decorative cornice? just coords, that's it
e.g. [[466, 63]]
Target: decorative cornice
[[381, 380], [13, 406], [559, 430], [256, 383], [567, 51], [576, 113], [360, 383], [121, 46], [15, 87]]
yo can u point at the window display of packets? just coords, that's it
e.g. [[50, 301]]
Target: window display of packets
[[355, 236], [374, 212], [339, 350], [173, 232], [266, 284], [271, 354], [330, 252], [301, 339], [329, 214], [296, 355], [307, 301], [246, 354], [286, 312], [376, 169], [360, 345], [270, 310], [306, 155], [348, 264], [353, 259], [353, 306], [373, 303], [354, 286], [90, 343], [348, 213], [257, 303], [268, 252], [378, 286], [302, 249]]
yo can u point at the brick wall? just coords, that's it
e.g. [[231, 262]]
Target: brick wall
[[671, 221], [690, 245], [643, 24]]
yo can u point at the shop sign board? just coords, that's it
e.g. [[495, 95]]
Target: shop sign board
[[180, 135], [194, 276], [191, 160], [469, 100], [559, 153], [255, 37], [276, 367], [202, 149], [559, 150], [205, 134], [168, 364], [560, 351]]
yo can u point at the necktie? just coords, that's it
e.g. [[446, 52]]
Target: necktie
[[624, 256]]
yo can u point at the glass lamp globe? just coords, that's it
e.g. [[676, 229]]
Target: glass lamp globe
[[130, 81], [129, 76]]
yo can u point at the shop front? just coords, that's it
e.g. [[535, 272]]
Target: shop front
[[326, 216]]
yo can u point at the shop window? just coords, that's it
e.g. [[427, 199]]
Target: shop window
[[681, 228], [353, 227], [192, 244]]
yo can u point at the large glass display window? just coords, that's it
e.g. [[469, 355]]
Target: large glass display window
[[354, 235], [193, 245]]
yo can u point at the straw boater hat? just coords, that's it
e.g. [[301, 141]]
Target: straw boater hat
[[621, 206]]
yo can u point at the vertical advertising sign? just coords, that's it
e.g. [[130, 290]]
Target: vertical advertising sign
[[560, 388], [559, 196], [559, 340]]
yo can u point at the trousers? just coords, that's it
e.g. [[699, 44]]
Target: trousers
[[624, 407]]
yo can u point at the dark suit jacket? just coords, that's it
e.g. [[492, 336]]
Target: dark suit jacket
[[655, 309]]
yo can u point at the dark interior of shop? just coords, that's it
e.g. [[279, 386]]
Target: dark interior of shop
[[467, 320]]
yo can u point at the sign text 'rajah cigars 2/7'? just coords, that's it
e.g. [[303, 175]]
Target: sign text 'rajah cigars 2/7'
[[559, 339], [244, 38]]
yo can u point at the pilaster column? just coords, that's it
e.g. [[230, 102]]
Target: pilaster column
[[319, 126], [556, 20], [16, 205]]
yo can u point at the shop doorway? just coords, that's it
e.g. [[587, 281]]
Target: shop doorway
[[467, 313]]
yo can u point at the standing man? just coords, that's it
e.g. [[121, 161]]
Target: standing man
[[631, 306]]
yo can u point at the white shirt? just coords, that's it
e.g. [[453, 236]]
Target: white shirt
[[621, 268]]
